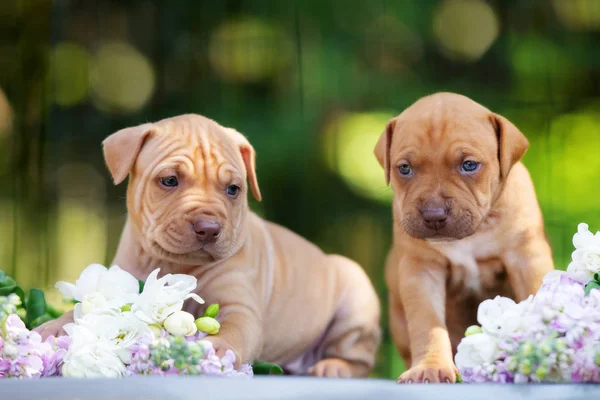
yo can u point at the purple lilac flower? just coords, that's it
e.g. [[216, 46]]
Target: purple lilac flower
[[561, 342], [53, 359], [21, 352], [169, 355]]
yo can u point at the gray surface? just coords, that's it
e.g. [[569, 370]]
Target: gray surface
[[267, 388]]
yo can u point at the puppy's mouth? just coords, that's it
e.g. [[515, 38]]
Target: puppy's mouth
[[200, 253], [454, 228], [174, 245]]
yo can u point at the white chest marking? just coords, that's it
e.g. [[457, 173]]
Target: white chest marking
[[463, 255]]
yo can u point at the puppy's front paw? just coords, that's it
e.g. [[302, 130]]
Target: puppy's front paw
[[221, 346], [331, 368], [430, 373], [53, 328]]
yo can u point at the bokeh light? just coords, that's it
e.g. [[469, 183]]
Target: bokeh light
[[349, 142], [69, 70], [390, 45], [465, 29], [81, 219], [122, 78], [536, 61], [578, 15], [575, 169], [249, 50]]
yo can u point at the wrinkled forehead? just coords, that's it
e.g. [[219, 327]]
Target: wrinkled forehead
[[443, 128], [192, 145]]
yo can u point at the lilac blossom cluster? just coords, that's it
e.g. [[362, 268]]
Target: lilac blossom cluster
[[553, 336], [176, 355], [23, 354]]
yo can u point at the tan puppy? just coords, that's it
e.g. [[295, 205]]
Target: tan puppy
[[282, 299], [467, 226]]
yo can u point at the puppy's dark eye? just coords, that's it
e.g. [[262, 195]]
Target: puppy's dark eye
[[169, 181], [405, 169], [232, 190], [470, 166]]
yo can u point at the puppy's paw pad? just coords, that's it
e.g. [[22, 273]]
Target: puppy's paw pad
[[331, 368], [438, 373]]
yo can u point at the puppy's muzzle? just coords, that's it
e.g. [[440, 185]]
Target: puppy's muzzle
[[434, 215], [206, 231]]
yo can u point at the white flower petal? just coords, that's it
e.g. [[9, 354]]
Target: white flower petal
[[68, 290], [88, 280], [195, 297], [475, 350]]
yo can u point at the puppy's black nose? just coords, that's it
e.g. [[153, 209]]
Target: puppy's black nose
[[434, 218], [207, 231]]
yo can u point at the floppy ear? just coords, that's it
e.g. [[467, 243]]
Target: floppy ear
[[382, 148], [122, 148], [249, 158], [512, 144]]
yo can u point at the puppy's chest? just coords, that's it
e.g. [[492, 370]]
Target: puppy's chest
[[475, 266]]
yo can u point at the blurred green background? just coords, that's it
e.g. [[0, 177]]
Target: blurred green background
[[311, 83]]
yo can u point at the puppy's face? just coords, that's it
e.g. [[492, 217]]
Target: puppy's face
[[187, 189], [446, 158]]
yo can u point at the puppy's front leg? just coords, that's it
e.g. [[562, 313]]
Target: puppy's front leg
[[241, 332], [240, 317], [527, 263], [422, 289]]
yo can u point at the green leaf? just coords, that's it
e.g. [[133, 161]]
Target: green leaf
[[36, 306], [265, 368], [591, 285], [42, 319], [9, 286], [141, 283], [459, 378], [53, 312], [596, 277]]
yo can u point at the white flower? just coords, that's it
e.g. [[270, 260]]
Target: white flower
[[501, 316], [586, 257], [90, 357], [122, 330], [180, 323], [93, 301], [162, 297], [100, 288], [475, 350]]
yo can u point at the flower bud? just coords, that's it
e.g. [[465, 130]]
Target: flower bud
[[180, 323], [513, 364], [472, 330], [527, 349], [156, 330], [126, 307], [541, 373], [14, 299], [211, 311], [546, 348], [597, 360], [208, 325], [525, 367]]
